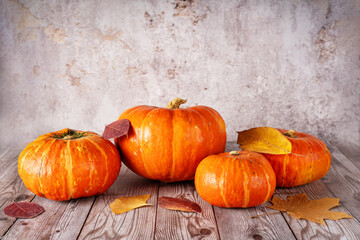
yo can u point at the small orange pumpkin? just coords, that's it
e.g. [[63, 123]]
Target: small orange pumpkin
[[236, 179], [69, 164], [308, 161], [167, 144]]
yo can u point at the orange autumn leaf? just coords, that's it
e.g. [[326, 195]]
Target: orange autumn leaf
[[179, 204], [300, 207], [125, 204], [264, 140]]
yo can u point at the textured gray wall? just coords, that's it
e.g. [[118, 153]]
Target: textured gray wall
[[80, 64]]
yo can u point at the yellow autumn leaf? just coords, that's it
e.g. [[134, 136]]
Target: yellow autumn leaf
[[125, 204], [264, 140], [300, 207]]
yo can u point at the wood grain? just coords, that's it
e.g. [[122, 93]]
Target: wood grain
[[61, 220], [139, 223], [183, 225], [343, 179], [91, 218], [11, 188], [351, 151], [303, 229], [235, 223]]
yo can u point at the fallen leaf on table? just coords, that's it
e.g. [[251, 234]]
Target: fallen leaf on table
[[264, 140], [180, 204], [125, 204], [299, 206], [23, 210], [116, 129]]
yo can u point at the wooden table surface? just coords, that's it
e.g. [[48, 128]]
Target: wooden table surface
[[91, 218]]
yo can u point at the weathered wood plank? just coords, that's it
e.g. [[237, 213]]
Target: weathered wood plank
[[343, 179], [139, 223], [11, 189], [61, 220], [235, 223], [8, 159], [303, 229], [183, 225], [351, 151], [91, 218]]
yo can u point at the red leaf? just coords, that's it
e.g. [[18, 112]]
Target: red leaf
[[180, 204], [23, 210], [116, 129]]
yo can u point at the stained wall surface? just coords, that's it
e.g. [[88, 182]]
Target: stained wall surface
[[80, 64]]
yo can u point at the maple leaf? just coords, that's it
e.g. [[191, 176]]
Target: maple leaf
[[116, 129], [23, 210], [299, 206], [125, 204], [180, 204], [264, 140]]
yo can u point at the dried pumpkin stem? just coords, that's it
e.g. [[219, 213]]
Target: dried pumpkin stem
[[290, 133], [234, 153], [175, 103]]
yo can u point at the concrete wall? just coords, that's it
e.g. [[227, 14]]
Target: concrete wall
[[80, 64]]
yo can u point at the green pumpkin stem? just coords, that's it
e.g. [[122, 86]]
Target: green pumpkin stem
[[69, 134]]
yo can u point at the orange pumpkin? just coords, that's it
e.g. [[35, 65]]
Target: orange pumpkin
[[69, 164], [236, 179], [167, 144], [308, 161]]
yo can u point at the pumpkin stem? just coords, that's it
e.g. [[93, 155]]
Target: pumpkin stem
[[234, 153], [175, 103], [68, 134], [290, 133]]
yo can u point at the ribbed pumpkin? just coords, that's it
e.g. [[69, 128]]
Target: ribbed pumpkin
[[309, 160], [167, 144], [69, 164], [236, 179]]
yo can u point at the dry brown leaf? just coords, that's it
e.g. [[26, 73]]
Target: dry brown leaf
[[23, 210], [299, 206], [180, 204], [116, 129], [264, 140], [125, 204]]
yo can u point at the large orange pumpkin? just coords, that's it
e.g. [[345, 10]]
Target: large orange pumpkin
[[69, 164], [167, 144], [236, 179], [308, 161]]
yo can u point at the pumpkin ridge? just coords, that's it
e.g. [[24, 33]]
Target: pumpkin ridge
[[208, 145], [312, 159], [105, 158], [24, 154], [222, 182], [141, 142], [268, 182], [245, 183], [172, 146], [69, 167], [286, 160], [41, 165], [193, 120]]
